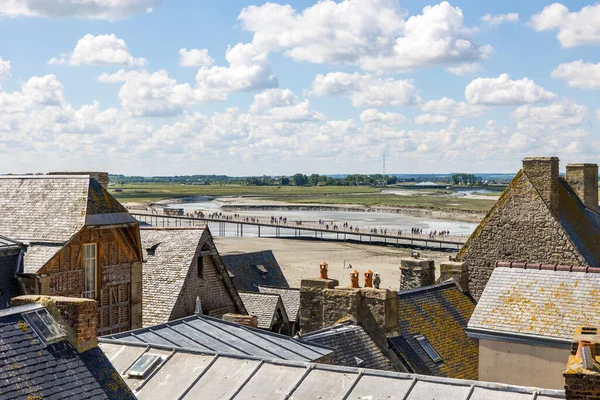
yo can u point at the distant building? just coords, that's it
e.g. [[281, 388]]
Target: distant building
[[541, 217], [81, 242], [526, 317], [182, 264], [248, 271]]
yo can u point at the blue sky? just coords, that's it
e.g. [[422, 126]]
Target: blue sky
[[247, 88]]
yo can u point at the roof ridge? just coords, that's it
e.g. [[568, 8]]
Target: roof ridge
[[43, 176], [427, 288], [547, 267], [278, 288]]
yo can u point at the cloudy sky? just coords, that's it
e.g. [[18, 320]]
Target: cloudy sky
[[236, 87]]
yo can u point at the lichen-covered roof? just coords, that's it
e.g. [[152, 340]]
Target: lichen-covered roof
[[204, 333], [440, 313], [164, 273], [53, 208], [264, 306], [290, 298], [538, 302], [30, 369], [353, 347], [248, 274], [38, 255]]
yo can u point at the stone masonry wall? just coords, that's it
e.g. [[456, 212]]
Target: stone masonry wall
[[519, 228], [416, 273], [583, 179]]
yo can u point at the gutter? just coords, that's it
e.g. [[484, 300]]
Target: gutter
[[521, 338]]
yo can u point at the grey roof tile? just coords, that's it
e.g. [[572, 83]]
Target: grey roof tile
[[264, 306], [289, 296], [538, 302], [248, 274]]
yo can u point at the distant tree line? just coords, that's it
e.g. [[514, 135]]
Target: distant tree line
[[464, 179]]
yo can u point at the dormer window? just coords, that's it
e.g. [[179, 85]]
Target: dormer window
[[261, 268]]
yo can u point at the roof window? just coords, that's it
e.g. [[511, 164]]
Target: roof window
[[422, 340], [261, 268], [44, 325], [143, 365]]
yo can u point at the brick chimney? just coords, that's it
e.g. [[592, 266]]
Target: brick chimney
[[582, 376], [78, 316], [324, 303], [457, 271], [101, 177], [543, 174], [583, 179], [247, 320], [416, 272]]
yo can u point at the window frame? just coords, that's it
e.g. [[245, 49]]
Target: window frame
[[90, 294], [428, 348]]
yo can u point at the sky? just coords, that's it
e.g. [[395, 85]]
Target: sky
[[182, 87]]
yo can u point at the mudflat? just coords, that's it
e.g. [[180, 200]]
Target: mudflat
[[301, 258]]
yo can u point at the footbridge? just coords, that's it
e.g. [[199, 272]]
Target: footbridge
[[226, 225]]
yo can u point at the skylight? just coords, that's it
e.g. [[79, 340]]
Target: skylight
[[143, 365], [261, 268], [422, 340], [44, 325]]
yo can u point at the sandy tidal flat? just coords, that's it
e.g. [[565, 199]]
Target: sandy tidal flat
[[301, 258]]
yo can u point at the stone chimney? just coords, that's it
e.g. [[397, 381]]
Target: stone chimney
[[582, 376], [101, 177], [416, 272], [583, 179], [247, 320], [457, 271], [78, 316], [543, 174], [323, 303]]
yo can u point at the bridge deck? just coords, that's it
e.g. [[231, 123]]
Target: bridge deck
[[453, 241]]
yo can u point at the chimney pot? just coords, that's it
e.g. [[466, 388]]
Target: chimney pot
[[368, 278], [354, 279], [583, 179], [323, 270]]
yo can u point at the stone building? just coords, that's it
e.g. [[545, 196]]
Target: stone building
[[182, 264], [80, 242], [269, 310], [540, 217]]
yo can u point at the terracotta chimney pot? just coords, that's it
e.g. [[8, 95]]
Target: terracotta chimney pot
[[354, 279], [368, 278], [323, 268]]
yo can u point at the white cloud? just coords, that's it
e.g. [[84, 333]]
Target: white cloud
[[4, 68], [579, 74], [283, 105], [598, 114], [448, 106], [195, 58], [430, 119], [574, 28], [89, 9], [463, 69], [366, 90], [372, 34], [500, 18], [101, 50], [249, 69], [372, 115], [504, 91], [557, 114]]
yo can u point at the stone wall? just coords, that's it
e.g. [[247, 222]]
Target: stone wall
[[416, 273], [519, 228], [583, 179]]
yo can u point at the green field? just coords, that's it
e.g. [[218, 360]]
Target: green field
[[439, 199]]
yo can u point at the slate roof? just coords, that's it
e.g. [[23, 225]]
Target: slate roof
[[247, 277], [53, 208], [290, 298], [353, 347], [195, 375], [30, 369], [264, 306], [164, 273], [38, 255], [204, 333], [440, 313], [548, 304]]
